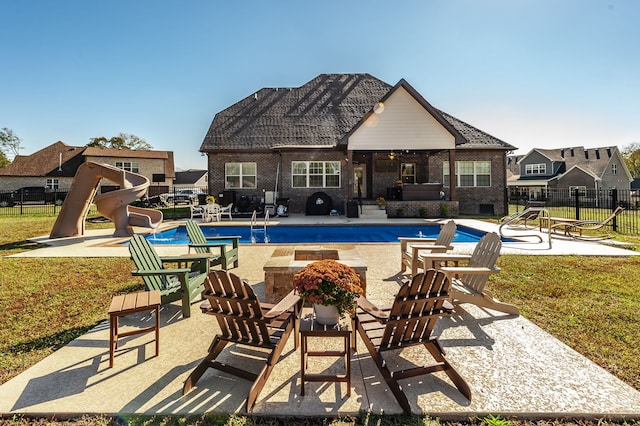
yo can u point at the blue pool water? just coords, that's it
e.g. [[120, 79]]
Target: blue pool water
[[293, 234]]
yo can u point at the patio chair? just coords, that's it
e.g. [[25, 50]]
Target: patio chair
[[410, 248], [212, 213], [204, 245], [243, 320], [197, 211], [468, 282], [180, 283], [530, 213], [409, 322], [226, 211], [576, 229]]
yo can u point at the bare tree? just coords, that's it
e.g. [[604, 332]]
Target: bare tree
[[122, 141]]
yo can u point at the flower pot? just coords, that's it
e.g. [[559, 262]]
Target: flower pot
[[326, 315]]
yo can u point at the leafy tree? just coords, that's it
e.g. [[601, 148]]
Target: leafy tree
[[4, 161], [631, 155], [122, 141], [9, 142]]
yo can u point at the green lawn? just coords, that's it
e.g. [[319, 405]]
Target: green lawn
[[590, 303]]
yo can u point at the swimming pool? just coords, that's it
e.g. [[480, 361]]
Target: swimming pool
[[292, 234]]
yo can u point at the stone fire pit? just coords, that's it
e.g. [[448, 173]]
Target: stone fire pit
[[285, 262]]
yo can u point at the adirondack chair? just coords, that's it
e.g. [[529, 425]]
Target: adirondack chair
[[410, 248], [410, 321], [184, 284], [243, 320], [204, 245], [468, 282]]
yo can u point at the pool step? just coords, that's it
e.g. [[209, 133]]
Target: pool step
[[372, 212]]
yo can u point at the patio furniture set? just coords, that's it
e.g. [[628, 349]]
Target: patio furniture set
[[244, 320]]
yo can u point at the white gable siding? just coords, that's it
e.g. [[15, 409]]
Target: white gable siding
[[403, 124]]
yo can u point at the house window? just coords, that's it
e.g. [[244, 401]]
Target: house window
[[240, 175], [408, 173], [614, 169], [469, 173], [52, 183], [535, 169], [315, 174], [128, 166], [582, 190]]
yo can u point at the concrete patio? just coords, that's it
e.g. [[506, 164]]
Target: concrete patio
[[512, 366]]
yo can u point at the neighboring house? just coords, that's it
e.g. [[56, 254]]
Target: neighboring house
[[339, 132], [540, 170], [55, 166], [191, 179]]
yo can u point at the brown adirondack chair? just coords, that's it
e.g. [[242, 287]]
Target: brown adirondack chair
[[410, 248], [180, 283], [243, 320], [204, 245], [468, 282], [410, 321]]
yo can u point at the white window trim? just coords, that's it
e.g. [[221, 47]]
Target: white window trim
[[52, 183], [581, 188], [129, 166], [241, 175], [308, 175], [535, 169], [445, 174]]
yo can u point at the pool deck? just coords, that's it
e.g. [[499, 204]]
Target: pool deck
[[513, 367]]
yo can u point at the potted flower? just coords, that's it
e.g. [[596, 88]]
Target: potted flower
[[331, 285], [210, 199], [381, 202]]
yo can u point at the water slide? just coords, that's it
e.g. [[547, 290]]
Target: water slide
[[113, 205]]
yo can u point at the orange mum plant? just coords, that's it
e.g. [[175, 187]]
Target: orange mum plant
[[330, 283]]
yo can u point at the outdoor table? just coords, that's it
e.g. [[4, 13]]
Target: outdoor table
[[131, 303], [310, 328]]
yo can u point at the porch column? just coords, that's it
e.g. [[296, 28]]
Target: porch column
[[452, 175]]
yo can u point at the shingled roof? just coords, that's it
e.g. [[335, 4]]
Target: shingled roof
[[593, 160], [58, 159], [318, 114]]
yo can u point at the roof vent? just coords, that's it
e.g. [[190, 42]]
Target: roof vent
[[255, 96], [597, 153]]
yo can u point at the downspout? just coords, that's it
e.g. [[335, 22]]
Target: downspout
[[452, 175]]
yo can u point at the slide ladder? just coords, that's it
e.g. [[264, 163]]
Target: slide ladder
[[113, 205]]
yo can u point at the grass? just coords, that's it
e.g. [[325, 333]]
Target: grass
[[589, 303]]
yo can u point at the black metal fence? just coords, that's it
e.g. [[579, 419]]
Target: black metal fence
[[591, 205]]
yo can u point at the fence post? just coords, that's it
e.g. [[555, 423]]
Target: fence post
[[614, 204], [576, 195]]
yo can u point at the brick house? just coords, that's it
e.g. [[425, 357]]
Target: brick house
[[348, 135], [55, 166], [567, 169]]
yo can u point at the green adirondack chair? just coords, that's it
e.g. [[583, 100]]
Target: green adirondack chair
[[186, 284], [204, 245]]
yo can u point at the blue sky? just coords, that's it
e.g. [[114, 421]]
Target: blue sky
[[535, 73]]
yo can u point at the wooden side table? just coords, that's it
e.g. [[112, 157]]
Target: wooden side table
[[309, 328], [127, 304]]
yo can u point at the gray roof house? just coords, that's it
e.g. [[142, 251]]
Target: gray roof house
[[348, 136], [567, 168]]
